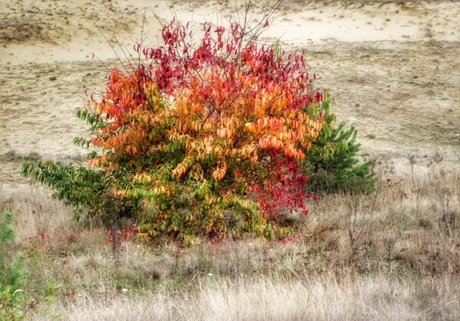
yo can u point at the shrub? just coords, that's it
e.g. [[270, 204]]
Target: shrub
[[333, 166], [13, 274], [201, 139], [342, 172]]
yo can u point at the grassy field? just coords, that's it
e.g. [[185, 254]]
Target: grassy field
[[393, 255]]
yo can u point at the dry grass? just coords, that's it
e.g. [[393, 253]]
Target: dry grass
[[393, 255], [317, 298]]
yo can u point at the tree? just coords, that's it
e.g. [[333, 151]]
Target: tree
[[205, 138], [333, 166]]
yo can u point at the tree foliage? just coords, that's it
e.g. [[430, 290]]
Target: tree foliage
[[208, 138]]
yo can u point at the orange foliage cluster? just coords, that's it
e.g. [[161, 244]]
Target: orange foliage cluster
[[224, 112]]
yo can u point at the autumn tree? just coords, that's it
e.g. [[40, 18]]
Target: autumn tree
[[198, 138]]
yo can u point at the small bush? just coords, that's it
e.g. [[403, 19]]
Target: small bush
[[13, 274], [334, 166]]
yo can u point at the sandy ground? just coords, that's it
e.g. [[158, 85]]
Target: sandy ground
[[393, 68]]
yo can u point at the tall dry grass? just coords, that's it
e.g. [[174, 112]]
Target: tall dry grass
[[318, 297], [391, 255]]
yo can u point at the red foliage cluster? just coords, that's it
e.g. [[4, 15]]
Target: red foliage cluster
[[225, 110]]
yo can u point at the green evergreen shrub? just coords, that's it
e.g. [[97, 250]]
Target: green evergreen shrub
[[341, 170]]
